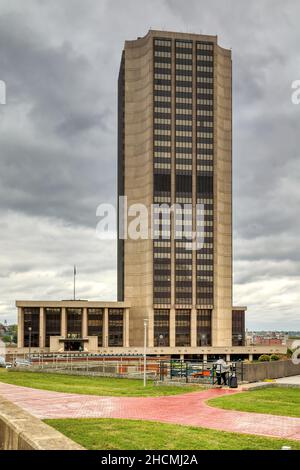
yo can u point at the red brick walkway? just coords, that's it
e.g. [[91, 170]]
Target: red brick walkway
[[187, 409]]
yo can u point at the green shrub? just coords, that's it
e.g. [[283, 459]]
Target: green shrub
[[274, 357], [264, 358]]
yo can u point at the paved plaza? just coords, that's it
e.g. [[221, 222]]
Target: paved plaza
[[187, 409]]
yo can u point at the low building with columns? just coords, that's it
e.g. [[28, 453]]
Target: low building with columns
[[103, 328], [72, 325]]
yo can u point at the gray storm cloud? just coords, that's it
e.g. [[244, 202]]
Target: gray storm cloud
[[58, 144]]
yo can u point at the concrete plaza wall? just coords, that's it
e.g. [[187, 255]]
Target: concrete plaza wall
[[256, 372], [21, 431]]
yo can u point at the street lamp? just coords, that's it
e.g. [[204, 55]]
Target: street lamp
[[145, 350], [30, 330]]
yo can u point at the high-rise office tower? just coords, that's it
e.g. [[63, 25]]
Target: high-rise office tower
[[175, 147]]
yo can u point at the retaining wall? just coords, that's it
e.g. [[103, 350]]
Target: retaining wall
[[21, 431], [256, 372]]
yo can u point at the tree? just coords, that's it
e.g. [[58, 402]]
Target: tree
[[13, 332], [6, 339]]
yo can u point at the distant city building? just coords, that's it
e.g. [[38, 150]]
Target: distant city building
[[267, 341], [266, 338]]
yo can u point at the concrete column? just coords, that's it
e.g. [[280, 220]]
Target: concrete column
[[63, 331], [222, 313], [105, 328], [194, 328], [204, 357], [251, 357], [126, 328], [20, 328], [172, 328], [42, 327], [84, 323], [227, 357]]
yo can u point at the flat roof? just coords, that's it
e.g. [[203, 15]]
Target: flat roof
[[72, 303], [83, 303]]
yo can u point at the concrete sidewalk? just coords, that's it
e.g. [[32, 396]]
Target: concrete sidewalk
[[294, 380]]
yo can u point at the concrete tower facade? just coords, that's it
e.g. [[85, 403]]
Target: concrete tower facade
[[175, 147]]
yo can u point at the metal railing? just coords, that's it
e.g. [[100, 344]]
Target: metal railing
[[198, 372], [89, 364], [165, 370]]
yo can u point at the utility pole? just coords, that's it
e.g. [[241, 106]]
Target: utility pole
[[29, 352]]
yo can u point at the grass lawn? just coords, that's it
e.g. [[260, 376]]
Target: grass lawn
[[101, 386], [274, 401], [119, 434]]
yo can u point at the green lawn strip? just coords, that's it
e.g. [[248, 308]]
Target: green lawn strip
[[275, 401], [120, 434], [101, 386]]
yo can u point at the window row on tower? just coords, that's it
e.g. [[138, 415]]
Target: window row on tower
[[182, 326]]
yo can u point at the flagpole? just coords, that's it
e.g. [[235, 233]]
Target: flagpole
[[74, 281]]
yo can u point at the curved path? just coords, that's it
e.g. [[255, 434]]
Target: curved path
[[187, 409]]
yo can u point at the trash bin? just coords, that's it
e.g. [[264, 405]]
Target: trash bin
[[233, 382]]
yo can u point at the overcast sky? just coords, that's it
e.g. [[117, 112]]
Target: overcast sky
[[58, 144]]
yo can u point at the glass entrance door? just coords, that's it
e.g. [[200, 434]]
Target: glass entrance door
[[73, 345]]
